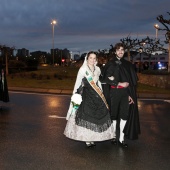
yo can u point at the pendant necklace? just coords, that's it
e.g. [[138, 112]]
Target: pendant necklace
[[91, 70]]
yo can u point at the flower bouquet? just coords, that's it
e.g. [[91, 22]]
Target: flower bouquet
[[76, 100]]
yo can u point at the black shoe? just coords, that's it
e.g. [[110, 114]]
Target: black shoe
[[93, 144], [123, 144], [89, 145], [114, 141]]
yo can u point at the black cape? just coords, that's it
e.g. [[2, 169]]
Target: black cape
[[132, 128]]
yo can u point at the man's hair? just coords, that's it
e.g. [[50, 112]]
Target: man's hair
[[118, 45]]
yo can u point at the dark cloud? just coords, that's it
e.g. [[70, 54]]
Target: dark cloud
[[82, 25]]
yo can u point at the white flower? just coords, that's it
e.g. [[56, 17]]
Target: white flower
[[76, 99]]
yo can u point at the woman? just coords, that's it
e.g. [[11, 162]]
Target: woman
[[92, 120]]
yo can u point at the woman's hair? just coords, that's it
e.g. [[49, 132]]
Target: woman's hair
[[91, 52]]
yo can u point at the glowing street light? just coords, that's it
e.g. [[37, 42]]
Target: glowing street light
[[53, 23], [156, 27]]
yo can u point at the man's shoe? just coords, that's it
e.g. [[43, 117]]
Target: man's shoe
[[89, 145], [114, 141], [93, 144], [123, 144]]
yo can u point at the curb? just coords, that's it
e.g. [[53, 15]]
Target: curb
[[37, 90], [153, 96], [69, 92]]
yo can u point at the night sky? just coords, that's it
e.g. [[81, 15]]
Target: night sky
[[83, 25]]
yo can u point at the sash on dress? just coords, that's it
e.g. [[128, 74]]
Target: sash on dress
[[95, 87]]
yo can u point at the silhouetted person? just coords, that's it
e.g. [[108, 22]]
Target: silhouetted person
[[4, 96]]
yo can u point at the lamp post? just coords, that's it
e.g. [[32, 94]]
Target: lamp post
[[140, 63], [61, 58], [53, 24], [156, 27], [140, 51]]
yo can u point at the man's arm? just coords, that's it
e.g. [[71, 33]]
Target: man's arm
[[110, 79]]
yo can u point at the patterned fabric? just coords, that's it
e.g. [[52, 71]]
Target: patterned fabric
[[79, 133], [96, 88], [92, 112]]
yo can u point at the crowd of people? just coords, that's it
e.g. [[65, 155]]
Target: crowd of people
[[109, 109]]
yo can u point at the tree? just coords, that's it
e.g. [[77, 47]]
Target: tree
[[150, 45], [166, 24], [102, 57], [129, 44]]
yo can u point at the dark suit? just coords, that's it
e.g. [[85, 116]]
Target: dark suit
[[119, 104]]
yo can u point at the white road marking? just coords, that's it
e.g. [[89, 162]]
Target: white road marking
[[57, 117], [167, 101]]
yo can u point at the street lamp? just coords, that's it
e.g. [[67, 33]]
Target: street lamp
[[61, 58], [53, 23], [156, 27]]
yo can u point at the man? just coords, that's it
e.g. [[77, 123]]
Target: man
[[120, 92]]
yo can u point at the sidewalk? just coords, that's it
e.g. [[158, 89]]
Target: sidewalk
[[69, 92]]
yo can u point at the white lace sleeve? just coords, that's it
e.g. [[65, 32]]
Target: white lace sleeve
[[99, 83], [100, 86], [80, 76]]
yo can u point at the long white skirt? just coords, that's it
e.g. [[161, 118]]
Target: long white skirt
[[79, 133]]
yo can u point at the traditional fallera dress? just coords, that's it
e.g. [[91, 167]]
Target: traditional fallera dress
[[91, 121]]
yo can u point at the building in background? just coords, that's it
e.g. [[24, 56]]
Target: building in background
[[22, 54], [41, 56]]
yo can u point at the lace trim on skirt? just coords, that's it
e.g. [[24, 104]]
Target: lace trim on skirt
[[92, 126]]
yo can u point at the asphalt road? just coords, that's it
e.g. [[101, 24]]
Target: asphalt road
[[31, 138]]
